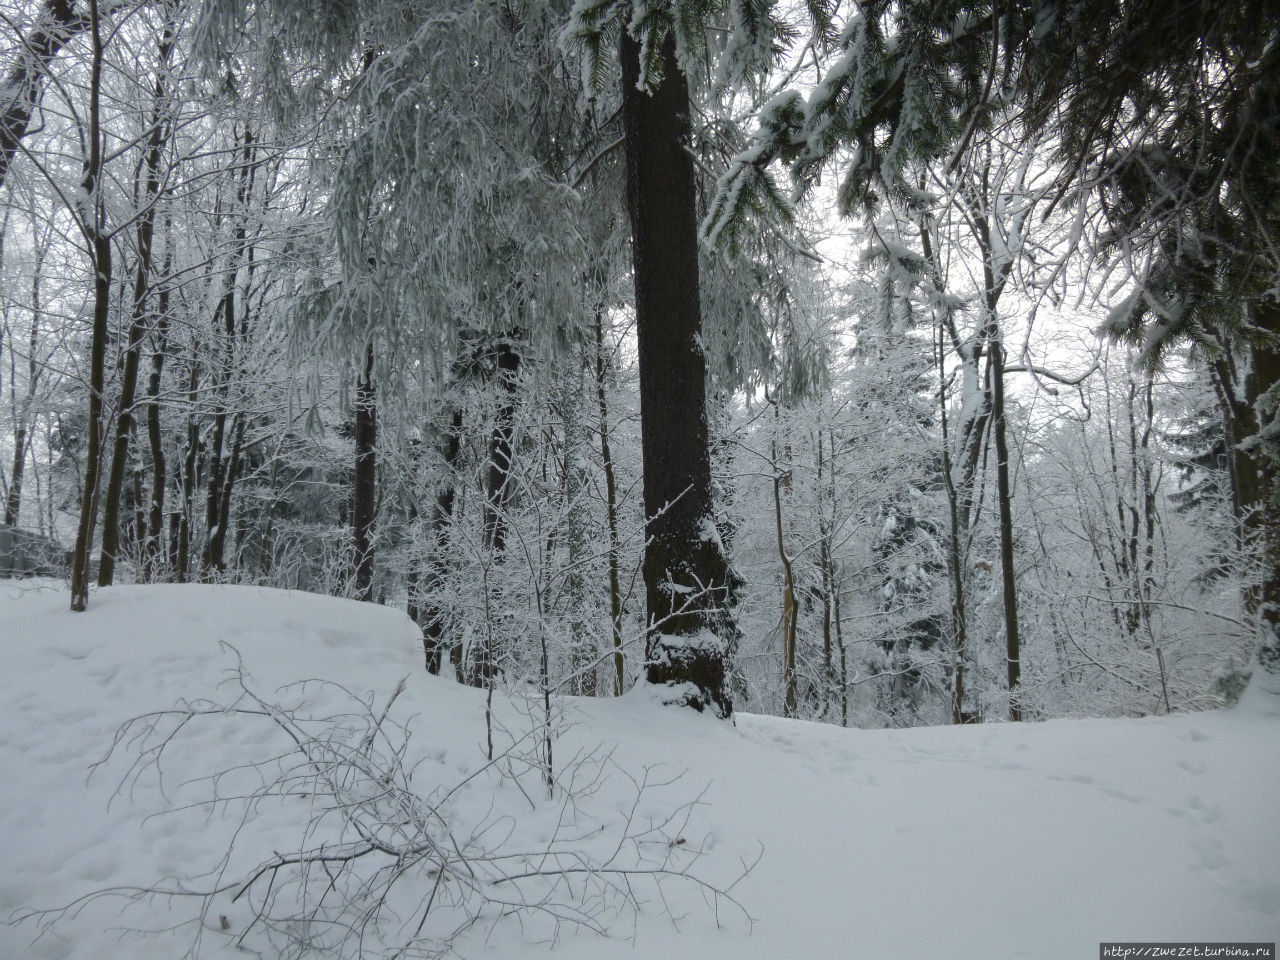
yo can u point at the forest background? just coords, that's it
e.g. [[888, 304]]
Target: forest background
[[874, 364]]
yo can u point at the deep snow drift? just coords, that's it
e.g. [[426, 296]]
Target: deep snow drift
[[998, 841]]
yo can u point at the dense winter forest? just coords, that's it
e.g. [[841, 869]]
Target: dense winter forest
[[882, 364]]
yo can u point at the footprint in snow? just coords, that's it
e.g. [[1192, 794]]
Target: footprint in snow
[[1123, 795]]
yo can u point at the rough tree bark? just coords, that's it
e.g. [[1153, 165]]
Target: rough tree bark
[[685, 571], [1243, 387], [425, 602]]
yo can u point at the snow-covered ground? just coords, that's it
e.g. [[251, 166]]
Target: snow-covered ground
[[998, 841]]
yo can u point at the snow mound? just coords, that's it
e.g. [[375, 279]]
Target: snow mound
[[1006, 840]]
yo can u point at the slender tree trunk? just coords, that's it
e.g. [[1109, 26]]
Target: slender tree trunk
[[781, 480], [100, 250], [832, 636], [611, 508], [365, 487], [138, 535], [955, 561], [266, 542], [13, 503], [836, 588], [182, 555], [788, 608], [148, 191], [685, 571], [155, 439], [213, 470], [125, 413], [1013, 652], [959, 496], [227, 485], [212, 560]]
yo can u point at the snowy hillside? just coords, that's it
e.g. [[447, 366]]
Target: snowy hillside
[[998, 841]]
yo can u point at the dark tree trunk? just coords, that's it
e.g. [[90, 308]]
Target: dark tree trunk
[[1254, 471], [13, 503], [1264, 462], [218, 472], [955, 557], [100, 250], [425, 602], [685, 571], [498, 479], [124, 427], [217, 545], [611, 508], [365, 487], [155, 521], [148, 192], [1013, 650], [175, 531]]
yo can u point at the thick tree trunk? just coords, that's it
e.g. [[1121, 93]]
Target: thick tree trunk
[[1254, 468], [498, 477], [685, 571], [365, 488], [994, 277], [1264, 460], [424, 594]]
